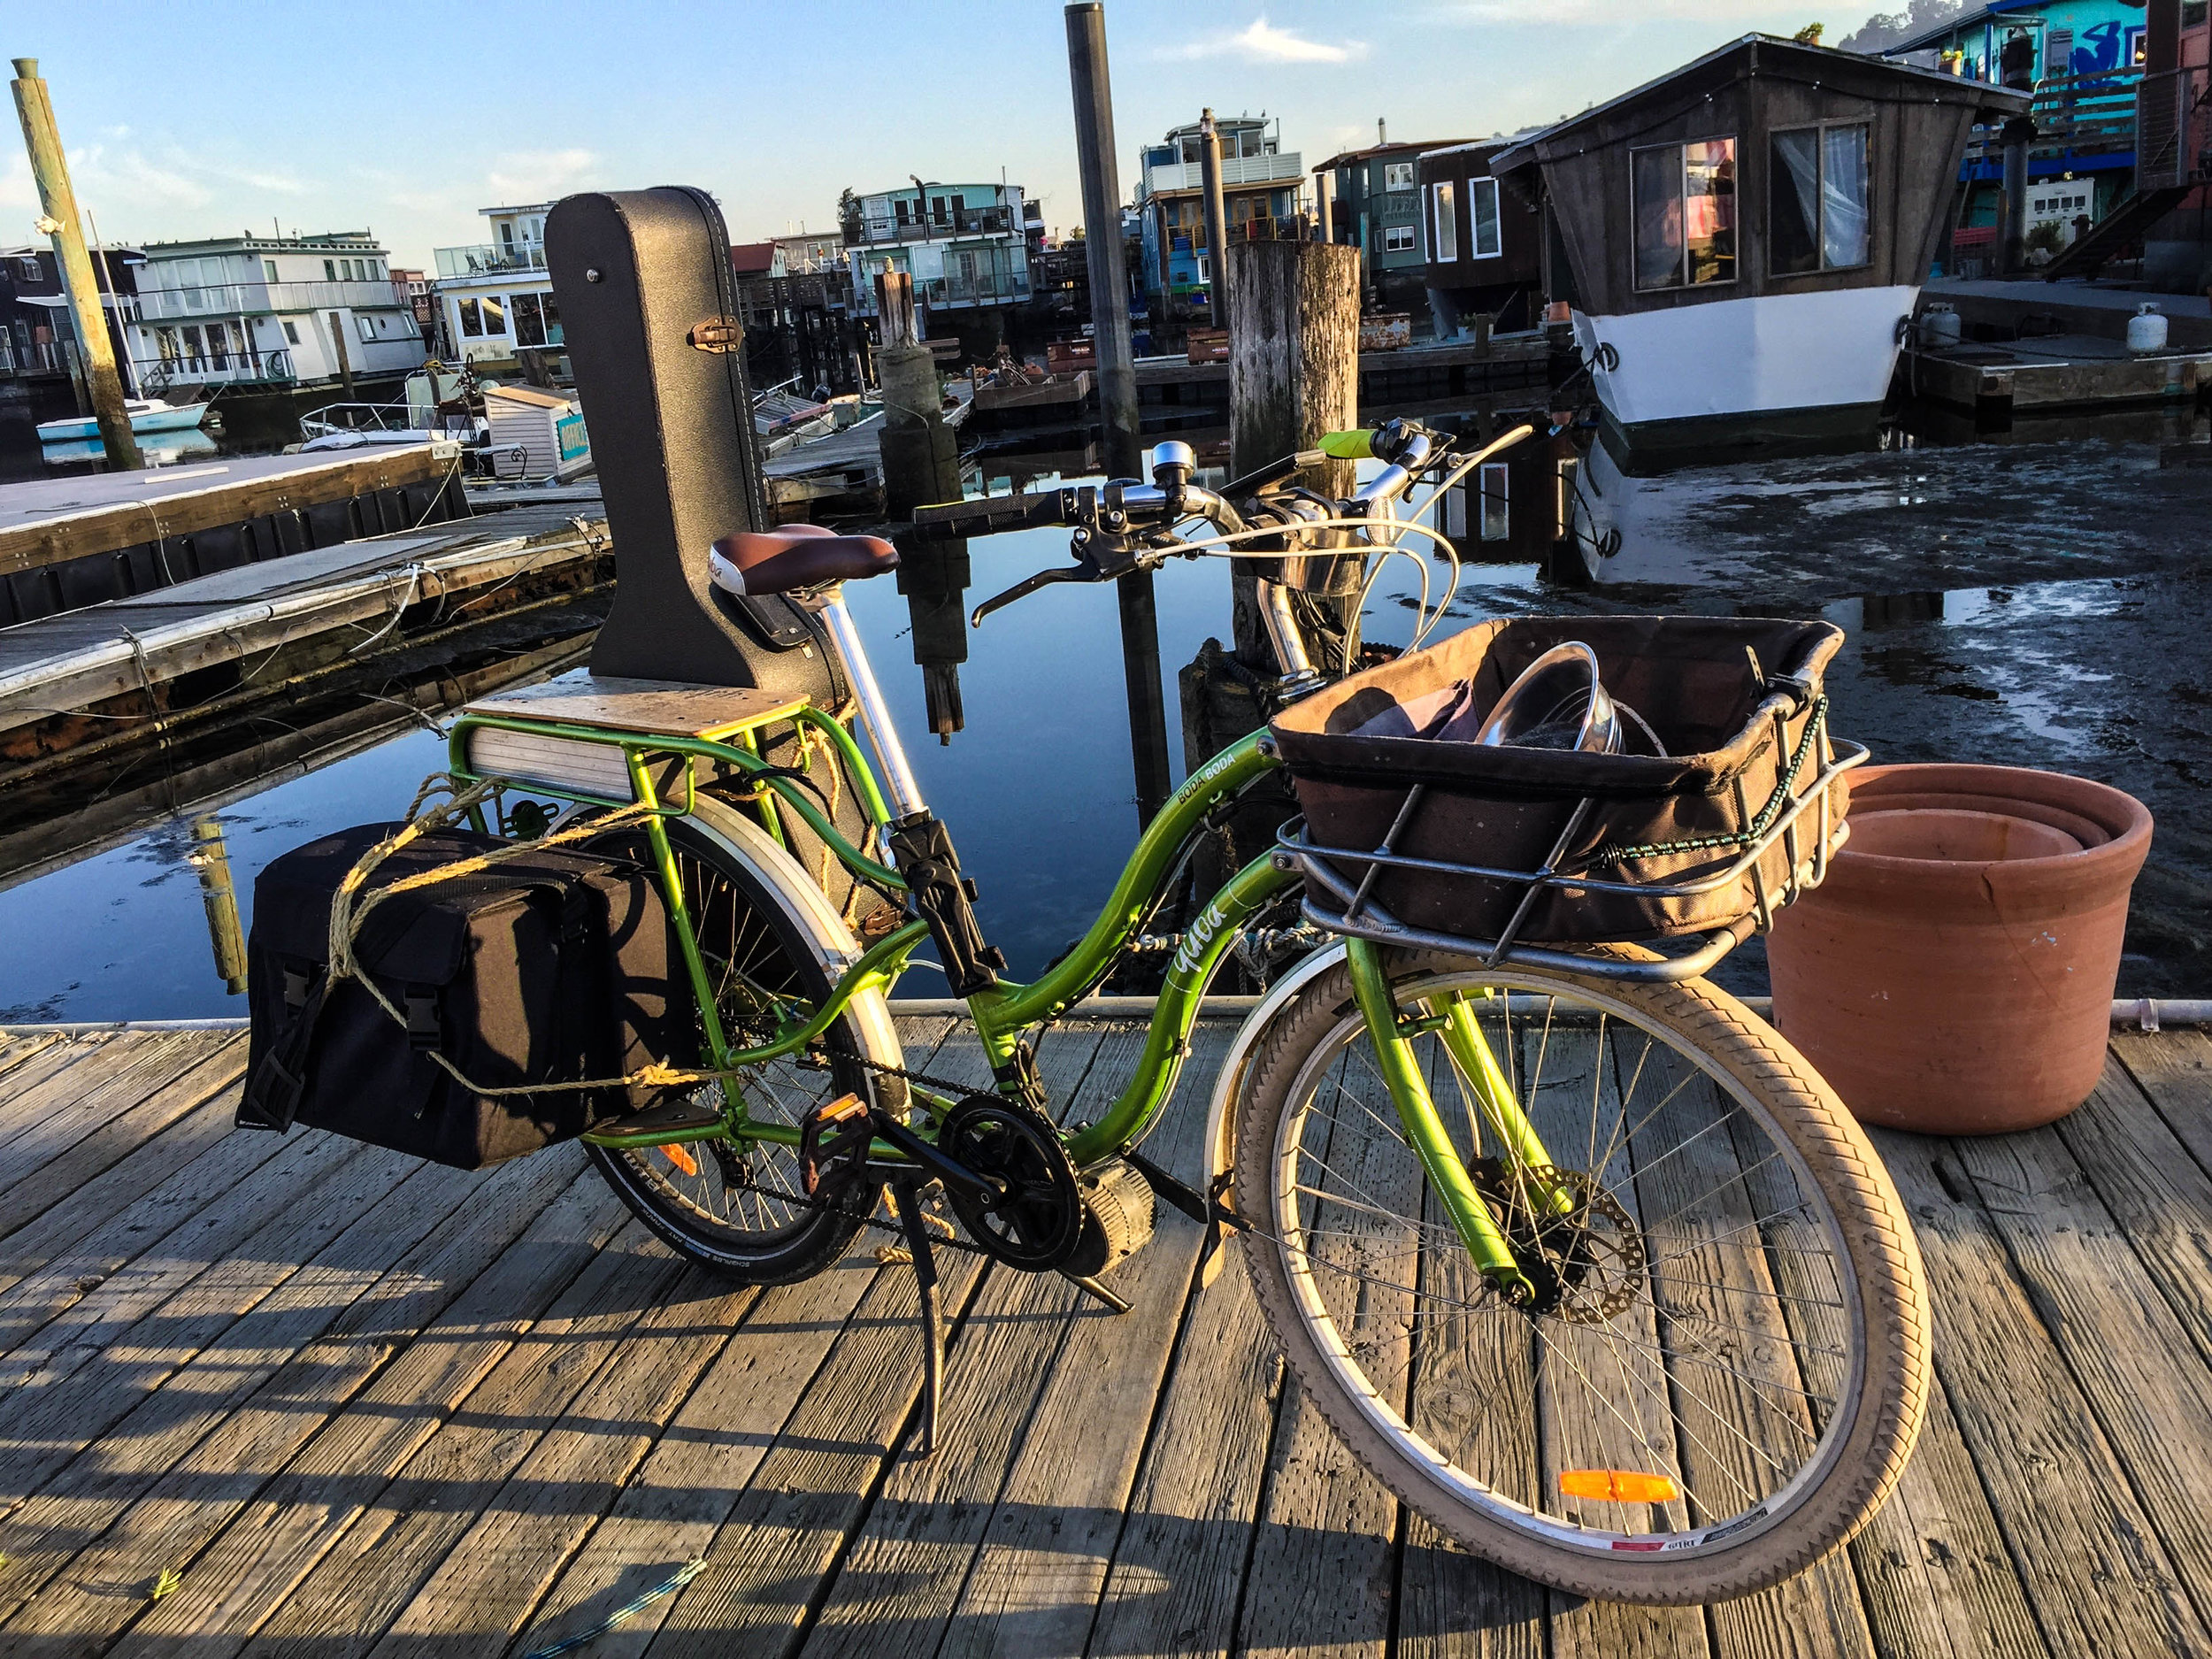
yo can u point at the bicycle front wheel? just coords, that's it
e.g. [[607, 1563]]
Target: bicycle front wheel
[[1727, 1359]]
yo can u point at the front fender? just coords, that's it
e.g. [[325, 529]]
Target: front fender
[[1221, 1116]]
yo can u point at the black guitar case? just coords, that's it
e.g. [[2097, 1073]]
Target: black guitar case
[[649, 304]]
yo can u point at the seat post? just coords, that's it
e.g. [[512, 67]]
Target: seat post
[[904, 794]]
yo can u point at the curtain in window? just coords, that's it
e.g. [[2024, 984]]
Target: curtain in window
[[1794, 204], [1482, 209], [1843, 223], [1658, 212]]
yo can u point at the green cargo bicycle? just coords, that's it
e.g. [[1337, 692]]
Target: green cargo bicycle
[[1575, 1254]]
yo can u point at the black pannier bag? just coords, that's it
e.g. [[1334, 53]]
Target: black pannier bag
[[1730, 733], [551, 966]]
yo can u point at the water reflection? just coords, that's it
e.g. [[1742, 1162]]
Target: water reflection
[[155, 449]]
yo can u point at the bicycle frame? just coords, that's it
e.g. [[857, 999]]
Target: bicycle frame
[[1002, 1013]]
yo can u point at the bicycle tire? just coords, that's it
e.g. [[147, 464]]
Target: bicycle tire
[[1867, 1430], [745, 897]]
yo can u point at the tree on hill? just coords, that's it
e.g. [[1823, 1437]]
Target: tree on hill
[[1886, 29]]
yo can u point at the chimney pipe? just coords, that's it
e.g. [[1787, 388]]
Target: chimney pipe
[[1382, 132]]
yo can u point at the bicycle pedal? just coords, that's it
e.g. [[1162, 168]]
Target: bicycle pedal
[[834, 1142]]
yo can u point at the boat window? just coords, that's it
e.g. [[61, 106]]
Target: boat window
[[1817, 209], [1446, 246], [330, 270], [472, 320], [1397, 239], [367, 325], [291, 331], [529, 320], [1397, 175], [1683, 201], [268, 269], [1496, 522], [494, 314], [553, 335], [1482, 213]]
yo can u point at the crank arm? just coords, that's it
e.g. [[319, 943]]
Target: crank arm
[[950, 1171]]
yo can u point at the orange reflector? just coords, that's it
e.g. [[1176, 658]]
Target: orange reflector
[[1617, 1485], [676, 1153]]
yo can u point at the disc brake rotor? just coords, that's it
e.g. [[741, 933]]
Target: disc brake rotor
[[1584, 1255], [1037, 1219]]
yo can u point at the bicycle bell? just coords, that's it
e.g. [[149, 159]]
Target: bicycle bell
[[1172, 463], [1557, 701]]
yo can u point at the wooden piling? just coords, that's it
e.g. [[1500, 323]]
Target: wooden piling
[[1216, 218], [50, 167], [921, 463], [1294, 375], [338, 348]]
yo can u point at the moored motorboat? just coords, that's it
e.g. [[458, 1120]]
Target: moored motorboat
[[148, 414]]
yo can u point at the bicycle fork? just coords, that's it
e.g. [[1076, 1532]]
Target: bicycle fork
[[1425, 1129]]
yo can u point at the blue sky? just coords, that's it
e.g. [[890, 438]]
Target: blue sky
[[206, 118]]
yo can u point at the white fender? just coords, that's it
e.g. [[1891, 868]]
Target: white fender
[[817, 922], [1221, 1116]]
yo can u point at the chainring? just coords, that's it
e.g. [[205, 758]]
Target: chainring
[[1036, 1221], [1587, 1266]]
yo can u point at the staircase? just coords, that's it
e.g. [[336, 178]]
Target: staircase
[[2121, 228]]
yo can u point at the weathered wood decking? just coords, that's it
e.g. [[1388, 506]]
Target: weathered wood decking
[[325, 1400]]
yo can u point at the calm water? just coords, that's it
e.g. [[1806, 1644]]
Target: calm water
[[2030, 603]]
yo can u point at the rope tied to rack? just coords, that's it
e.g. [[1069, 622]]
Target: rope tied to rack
[[1785, 792], [353, 901]]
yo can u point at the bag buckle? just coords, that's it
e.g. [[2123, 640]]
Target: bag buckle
[[423, 1029]]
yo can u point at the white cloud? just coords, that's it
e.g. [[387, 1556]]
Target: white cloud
[[1262, 43], [539, 175]]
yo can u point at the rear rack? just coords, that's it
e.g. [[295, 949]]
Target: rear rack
[[1340, 904]]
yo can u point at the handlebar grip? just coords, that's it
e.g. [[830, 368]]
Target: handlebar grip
[[951, 520], [1356, 445]]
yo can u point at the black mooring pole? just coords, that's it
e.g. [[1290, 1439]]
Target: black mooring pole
[[1117, 374]]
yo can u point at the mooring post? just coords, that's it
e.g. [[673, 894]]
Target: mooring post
[[920, 463], [2013, 238], [59, 201], [338, 349], [1294, 375], [1116, 373], [1216, 217]]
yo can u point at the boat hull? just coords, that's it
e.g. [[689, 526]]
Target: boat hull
[[153, 420], [1795, 361]]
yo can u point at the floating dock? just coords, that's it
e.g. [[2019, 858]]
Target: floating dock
[[2052, 375], [292, 1394], [203, 688], [67, 542]]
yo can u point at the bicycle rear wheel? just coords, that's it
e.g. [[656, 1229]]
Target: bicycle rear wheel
[[714, 1202], [1728, 1362]]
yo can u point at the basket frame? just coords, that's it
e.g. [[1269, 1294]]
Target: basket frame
[[1360, 915]]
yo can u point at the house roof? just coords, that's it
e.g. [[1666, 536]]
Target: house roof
[[1765, 53], [1943, 31], [1499, 142], [752, 258], [1346, 158], [529, 395]]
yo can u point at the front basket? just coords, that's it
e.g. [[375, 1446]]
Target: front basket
[[1530, 853]]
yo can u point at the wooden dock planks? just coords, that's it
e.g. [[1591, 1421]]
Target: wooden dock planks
[[358, 1405]]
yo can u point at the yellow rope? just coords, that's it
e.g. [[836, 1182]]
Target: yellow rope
[[350, 906]]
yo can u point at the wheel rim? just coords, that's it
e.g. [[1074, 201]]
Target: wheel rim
[[1733, 1370], [754, 973]]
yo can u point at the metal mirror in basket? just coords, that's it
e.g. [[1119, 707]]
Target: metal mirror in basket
[[1550, 783]]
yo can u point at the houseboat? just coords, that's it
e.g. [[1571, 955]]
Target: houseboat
[[1745, 237]]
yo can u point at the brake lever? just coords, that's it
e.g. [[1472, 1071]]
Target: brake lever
[[1029, 585]]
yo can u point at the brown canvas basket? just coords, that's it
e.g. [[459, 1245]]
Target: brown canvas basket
[[1730, 740]]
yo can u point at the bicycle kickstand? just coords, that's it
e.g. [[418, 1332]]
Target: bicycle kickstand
[[907, 1198]]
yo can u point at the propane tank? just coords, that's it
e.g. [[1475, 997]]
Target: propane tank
[[1939, 326], [2147, 330]]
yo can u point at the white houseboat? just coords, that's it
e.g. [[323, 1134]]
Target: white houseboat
[[1744, 237], [276, 310], [495, 297]]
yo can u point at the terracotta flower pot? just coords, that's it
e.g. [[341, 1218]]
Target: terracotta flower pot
[[1953, 974]]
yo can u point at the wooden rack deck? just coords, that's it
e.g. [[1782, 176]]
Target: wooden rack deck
[[329, 1401]]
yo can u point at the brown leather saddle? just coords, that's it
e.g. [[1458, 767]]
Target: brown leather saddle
[[757, 563]]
